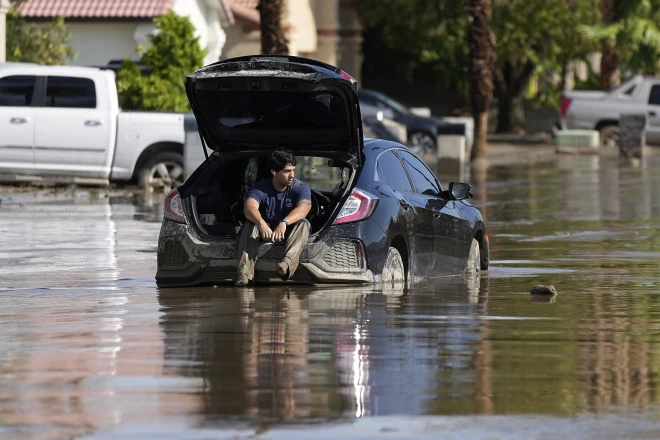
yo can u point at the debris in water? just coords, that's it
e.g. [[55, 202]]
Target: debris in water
[[540, 289]]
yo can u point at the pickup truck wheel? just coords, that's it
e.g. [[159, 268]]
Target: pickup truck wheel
[[162, 172], [609, 136]]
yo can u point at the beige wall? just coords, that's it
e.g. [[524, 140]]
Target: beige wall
[[241, 41], [337, 39], [4, 6], [97, 43]]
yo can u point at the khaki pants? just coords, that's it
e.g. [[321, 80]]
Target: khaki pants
[[248, 247]]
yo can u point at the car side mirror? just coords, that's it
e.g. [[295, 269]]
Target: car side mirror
[[460, 190]]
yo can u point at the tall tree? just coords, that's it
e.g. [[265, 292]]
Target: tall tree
[[609, 61], [481, 42], [174, 53], [532, 36], [635, 32], [273, 40]]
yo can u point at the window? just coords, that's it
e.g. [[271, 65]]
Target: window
[[423, 179], [654, 96], [391, 172], [69, 92], [17, 91]]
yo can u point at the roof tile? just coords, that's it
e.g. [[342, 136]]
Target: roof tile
[[95, 8]]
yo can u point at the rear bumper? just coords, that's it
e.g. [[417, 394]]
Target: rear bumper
[[184, 260]]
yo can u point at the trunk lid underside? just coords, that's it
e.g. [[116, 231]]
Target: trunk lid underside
[[257, 105]]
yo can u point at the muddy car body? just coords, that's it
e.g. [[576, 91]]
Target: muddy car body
[[378, 213]]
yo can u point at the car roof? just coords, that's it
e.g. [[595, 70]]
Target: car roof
[[37, 69]]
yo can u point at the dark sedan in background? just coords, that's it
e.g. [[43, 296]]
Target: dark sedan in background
[[422, 130], [378, 213]]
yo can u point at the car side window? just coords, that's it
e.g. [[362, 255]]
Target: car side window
[[391, 172], [424, 180], [654, 96], [70, 92], [17, 90]]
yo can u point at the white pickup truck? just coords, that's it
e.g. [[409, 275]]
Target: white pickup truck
[[63, 123], [600, 110]]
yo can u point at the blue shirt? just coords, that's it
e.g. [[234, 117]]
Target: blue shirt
[[274, 205]]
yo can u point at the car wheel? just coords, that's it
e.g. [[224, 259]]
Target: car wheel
[[609, 136], [474, 259], [394, 271], [162, 172], [422, 143]]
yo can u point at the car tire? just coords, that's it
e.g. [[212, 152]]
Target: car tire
[[474, 259], [162, 172], [421, 142], [609, 136], [394, 270]]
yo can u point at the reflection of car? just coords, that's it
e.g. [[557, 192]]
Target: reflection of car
[[378, 213], [422, 131]]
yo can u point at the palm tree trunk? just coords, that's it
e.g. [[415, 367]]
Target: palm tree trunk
[[609, 61], [481, 42], [273, 40]]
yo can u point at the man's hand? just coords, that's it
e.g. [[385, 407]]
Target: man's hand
[[265, 231], [278, 233]]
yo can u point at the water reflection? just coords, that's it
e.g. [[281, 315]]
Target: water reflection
[[295, 353]]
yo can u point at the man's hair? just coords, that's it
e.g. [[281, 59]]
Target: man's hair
[[280, 158]]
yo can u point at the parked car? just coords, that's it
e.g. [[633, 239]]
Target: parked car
[[379, 123], [378, 213], [594, 110], [64, 123], [422, 130]]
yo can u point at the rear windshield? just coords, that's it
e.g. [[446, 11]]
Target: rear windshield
[[229, 112]]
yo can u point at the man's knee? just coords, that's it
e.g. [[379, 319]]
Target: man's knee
[[304, 223]]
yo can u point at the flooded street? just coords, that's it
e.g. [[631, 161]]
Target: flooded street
[[91, 348]]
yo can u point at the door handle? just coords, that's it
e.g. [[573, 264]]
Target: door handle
[[93, 123], [18, 120], [404, 205], [652, 114]]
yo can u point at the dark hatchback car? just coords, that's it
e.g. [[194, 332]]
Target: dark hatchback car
[[378, 213]]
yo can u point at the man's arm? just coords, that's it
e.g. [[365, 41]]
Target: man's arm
[[251, 211], [299, 212]]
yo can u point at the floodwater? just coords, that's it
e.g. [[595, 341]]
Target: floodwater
[[90, 348]]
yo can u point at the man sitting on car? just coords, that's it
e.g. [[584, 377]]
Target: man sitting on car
[[275, 209]]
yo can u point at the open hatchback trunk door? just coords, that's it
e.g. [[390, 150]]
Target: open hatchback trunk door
[[261, 102]]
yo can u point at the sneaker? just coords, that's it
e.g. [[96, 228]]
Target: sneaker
[[242, 280]]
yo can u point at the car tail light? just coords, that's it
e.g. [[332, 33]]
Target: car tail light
[[565, 104], [359, 206], [173, 209], [348, 77]]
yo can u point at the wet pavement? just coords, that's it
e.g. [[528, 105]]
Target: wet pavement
[[92, 349]]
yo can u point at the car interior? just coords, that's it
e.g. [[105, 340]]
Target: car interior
[[218, 194]]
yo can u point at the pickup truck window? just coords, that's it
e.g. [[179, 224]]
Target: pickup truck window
[[17, 90], [654, 96], [70, 92]]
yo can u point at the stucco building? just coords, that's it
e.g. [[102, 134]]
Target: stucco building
[[112, 29], [326, 30]]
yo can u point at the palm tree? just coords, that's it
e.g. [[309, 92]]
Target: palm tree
[[609, 61], [273, 40], [481, 42], [634, 33]]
